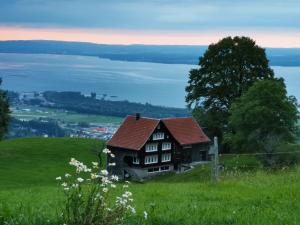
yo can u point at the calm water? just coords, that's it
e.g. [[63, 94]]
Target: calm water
[[159, 84]]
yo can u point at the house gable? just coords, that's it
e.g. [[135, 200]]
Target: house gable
[[162, 154], [133, 133]]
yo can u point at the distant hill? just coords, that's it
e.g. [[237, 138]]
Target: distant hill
[[171, 54], [76, 102]]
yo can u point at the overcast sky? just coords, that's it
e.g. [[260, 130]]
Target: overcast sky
[[270, 22]]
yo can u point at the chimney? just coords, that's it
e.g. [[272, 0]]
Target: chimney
[[137, 116]]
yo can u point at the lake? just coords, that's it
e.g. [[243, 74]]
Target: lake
[[155, 83]]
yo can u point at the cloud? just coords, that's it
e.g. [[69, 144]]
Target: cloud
[[151, 14]]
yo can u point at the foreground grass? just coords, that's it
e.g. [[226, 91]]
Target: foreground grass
[[242, 196], [31, 162]]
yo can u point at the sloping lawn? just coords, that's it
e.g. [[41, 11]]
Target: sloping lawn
[[242, 197]]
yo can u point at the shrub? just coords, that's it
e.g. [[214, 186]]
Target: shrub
[[88, 196]]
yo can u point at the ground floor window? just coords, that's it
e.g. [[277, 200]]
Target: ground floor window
[[158, 169], [153, 170], [165, 168]]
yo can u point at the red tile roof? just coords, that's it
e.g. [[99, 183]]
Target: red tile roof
[[185, 130], [133, 134]]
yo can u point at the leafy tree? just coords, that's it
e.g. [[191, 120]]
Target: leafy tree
[[263, 119], [227, 69], [4, 113]]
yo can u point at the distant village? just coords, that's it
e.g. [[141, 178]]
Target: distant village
[[29, 120]]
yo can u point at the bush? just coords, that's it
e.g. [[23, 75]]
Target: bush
[[88, 199]]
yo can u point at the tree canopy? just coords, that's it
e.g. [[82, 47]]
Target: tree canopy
[[227, 69], [263, 117], [4, 113]]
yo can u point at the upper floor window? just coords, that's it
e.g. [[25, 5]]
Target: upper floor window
[[166, 146], [150, 159], [151, 147], [135, 160], [166, 157], [158, 136]]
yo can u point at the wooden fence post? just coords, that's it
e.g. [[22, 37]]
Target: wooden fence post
[[216, 160]]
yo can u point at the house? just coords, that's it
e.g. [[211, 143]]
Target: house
[[146, 147]]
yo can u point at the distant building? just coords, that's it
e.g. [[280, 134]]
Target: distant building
[[146, 147]]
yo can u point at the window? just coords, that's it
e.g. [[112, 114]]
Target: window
[[158, 136], [166, 146], [153, 170], [135, 160], [150, 159], [164, 168], [157, 169], [151, 147], [166, 157]]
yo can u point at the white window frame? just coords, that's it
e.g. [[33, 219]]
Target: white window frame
[[166, 157], [158, 136], [151, 159], [135, 160], [150, 147], [169, 146]]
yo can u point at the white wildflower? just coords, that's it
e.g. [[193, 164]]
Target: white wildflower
[[64, 184], [145, 215], [106, 151], [105, 181], [95, 165], [105, 190], [132, 209], [113, 185], [112, 164], [125, 186], [67, 175], [114, 177], [112, 155], [80, 180], [94, 176], [66, 188], [58, 178], [104, 172]]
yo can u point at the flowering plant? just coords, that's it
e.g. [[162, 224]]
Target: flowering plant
[[88, 199]]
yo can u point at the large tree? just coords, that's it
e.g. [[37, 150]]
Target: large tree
[[263, 119], [4, 113], [227, 69]]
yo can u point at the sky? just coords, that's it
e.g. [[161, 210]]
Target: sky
[[272, 23]]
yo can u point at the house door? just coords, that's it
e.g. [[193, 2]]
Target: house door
[[187, 156], [204, 155]]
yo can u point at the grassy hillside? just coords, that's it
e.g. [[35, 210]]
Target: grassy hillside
[[242, 197], [37, 161]]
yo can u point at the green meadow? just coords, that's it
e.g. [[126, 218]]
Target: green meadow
[[245, 195]]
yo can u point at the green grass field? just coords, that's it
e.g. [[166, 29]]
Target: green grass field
[[63, 116], [28, 168]]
